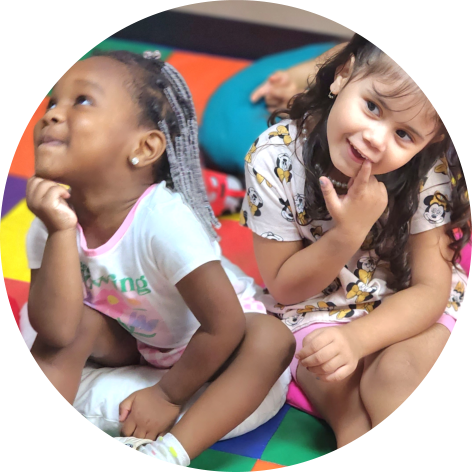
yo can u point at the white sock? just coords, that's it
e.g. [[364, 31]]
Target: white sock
[[168, 449]]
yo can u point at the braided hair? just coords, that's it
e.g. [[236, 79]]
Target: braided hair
[[165, 103]]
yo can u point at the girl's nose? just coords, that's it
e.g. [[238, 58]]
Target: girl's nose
[[376, 136], [54, 115]]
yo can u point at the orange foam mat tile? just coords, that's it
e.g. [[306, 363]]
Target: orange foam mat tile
[[204, 74], [23, 160], [264, 465]]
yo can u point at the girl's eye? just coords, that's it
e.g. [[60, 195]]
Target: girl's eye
[[83, 100], [373, 107], [51, 104], [403, 135]]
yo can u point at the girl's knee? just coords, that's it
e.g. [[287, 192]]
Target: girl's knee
[[63, 350], [268, 336], [394, 369], [339, 403], [68, 336]]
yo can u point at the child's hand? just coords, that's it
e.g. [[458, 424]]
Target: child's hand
[[356, 212], [47, 200], [277, 90], [330, 353], [148, 413]]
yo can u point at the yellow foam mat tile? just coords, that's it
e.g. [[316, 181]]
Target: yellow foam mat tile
[[13, 229]]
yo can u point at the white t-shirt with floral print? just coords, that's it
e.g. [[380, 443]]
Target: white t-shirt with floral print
[[132, 277], [274, 208]]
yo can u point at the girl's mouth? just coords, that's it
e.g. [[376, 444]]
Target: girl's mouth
[[50, 141], [355, 155]]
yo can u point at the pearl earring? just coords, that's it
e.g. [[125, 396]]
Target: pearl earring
[[134, 161], [330, 95]]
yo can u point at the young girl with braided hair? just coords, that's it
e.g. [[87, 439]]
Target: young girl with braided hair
[[359, 211], [126, 266]]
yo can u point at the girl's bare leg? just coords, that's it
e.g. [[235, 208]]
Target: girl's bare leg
[[339, 403], [97, 337], [392, 375], [381, 383], [265, 352]]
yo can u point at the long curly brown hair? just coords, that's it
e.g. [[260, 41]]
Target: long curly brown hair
[[390, 234]]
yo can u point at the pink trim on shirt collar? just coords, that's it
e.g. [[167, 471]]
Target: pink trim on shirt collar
[[119, 233]]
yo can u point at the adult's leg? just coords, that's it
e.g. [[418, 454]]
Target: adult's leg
[[98, 337], [265, 352], [392, 375]]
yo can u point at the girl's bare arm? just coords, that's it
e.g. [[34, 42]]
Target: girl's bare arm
[[55, 300], [413, 310], [293, 273], [210, 296], [56, 296]]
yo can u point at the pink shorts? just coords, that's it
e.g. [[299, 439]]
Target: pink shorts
[[295, 395], [165, 359]]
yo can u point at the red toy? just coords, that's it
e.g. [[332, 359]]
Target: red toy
[[225, 192]]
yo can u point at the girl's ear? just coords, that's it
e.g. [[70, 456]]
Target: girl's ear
[[152, 145], [438, 138], [342, 75]]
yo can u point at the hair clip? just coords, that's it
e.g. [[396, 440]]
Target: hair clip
[[152, 54]]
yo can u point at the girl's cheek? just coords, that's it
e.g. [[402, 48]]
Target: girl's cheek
[[36, 132], [37, 127]]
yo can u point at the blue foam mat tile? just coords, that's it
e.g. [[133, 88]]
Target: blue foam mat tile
[[253, 444]]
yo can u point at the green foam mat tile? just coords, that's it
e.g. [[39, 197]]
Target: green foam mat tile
[[113, 44], [299, 438], [222, 461]]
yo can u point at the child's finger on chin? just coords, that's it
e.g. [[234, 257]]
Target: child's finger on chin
[[32, 183]]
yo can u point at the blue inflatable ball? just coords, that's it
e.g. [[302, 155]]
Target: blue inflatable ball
[[231, 123]]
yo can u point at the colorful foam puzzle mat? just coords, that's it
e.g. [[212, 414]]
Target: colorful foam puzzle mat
[[292, 436]]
